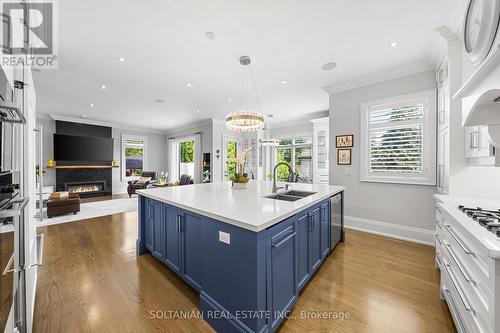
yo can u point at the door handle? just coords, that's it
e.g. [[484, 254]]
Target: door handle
[[284, 240]]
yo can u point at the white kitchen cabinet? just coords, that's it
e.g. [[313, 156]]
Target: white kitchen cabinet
[[321, 140], [443, 102], [478, 150], [443, 117], [443, 161], [254, 163]]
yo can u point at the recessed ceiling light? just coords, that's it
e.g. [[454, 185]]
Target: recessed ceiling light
[[159, 100], [189, 85], [103, 87], [120, 59], [197, 111], [230, 100], [210, 35], [84, 116], [91, 105], [329, 66], [284, 82], [394, 44]]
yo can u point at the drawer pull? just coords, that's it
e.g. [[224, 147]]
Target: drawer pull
[[284, 240], [439, 224], [460, 294], [462, 245], [439, 240], [460, 268], [455, 310]]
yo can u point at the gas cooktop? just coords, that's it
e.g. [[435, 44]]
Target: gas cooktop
[[490, 219]]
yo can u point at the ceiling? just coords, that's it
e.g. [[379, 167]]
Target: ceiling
[[164, 46]]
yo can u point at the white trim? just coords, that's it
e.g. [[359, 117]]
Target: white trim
[[401, 232], [386, 75], [428, 177], [145, 163]]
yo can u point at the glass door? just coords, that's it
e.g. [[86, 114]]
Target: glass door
[[322, 150], [186, 158], [231, 149]]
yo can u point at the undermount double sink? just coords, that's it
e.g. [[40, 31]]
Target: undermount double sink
[[292, 195]]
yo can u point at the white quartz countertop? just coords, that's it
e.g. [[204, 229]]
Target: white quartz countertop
[[247, 208], [487, 238]]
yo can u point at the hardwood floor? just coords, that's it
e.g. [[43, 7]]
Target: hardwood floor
[[91, 280]]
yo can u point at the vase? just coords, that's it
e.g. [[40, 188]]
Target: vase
[[240, 186]]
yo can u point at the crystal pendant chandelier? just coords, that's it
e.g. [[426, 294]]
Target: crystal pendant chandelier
[[247, 118]]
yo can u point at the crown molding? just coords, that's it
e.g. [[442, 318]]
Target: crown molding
[[386, 75], [100, 123]]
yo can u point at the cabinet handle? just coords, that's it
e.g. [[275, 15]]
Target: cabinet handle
[[310, 223], [454, 309], [464, 300], [178, 223], [462, 245], [460, 268], [181, 222], [284, 240]]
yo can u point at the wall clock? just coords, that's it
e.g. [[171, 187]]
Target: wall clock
[[480, 28]]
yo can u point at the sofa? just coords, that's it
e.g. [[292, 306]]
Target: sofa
[[134, 185]]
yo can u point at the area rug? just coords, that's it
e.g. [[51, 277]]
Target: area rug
[[91, 210]]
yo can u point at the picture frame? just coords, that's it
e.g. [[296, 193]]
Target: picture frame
[[344, 156], [344, 141]]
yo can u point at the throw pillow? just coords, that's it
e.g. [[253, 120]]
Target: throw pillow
[[143, 180]]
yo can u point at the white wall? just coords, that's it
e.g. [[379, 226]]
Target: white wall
[[404, 211], [156, 153]]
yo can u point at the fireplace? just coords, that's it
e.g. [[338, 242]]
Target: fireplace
[[85, 188]]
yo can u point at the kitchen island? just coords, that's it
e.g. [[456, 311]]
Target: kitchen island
[[247, 255]]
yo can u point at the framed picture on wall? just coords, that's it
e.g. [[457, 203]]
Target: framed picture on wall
[[344, 141], [344, 157]]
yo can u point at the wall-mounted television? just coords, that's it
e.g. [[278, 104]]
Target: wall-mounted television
[[82, 148]]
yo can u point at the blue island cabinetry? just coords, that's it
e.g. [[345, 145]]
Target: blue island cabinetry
[[247, 280]]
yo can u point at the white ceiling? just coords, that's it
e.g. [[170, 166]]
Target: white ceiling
[[165, 47]]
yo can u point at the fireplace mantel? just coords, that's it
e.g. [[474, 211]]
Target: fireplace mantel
[[82, 167]]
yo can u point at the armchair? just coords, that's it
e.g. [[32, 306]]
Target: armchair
[[134, 185]]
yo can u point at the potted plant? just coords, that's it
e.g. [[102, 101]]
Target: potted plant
[[240, 178]]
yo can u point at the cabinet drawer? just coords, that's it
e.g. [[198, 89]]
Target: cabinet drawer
[[475, 291], [470, 252], [464, 303]]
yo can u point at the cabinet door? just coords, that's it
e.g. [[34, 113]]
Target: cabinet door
[[321, 154], [315, 239], [281, 282], [191, 245], [443, 161], [325, 229], [172, 244], [303, 230], [148, 225], [158, 230]]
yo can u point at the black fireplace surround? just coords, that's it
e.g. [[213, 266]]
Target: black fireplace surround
[[101, 177]]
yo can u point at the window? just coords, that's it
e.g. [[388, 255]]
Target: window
[[398, 139], [298, 150], [186, 159], [134, 155]]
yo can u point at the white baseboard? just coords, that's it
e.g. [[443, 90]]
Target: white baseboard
[[401, 232]]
